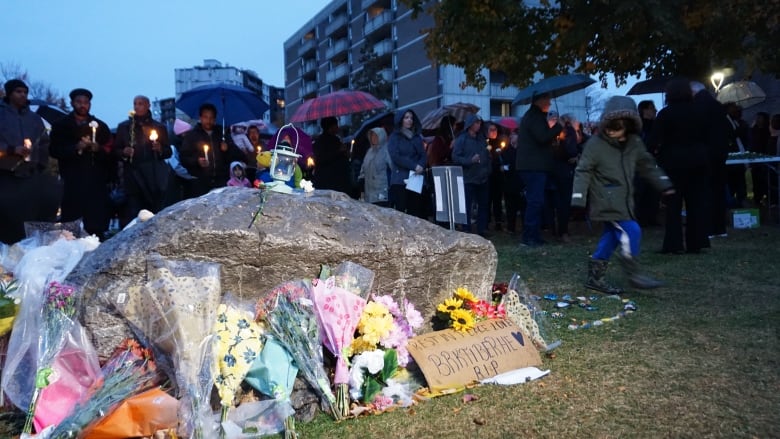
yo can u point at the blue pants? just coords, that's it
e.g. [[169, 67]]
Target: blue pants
[[625, 234], [535, 183]]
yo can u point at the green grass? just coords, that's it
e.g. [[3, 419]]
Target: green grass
[[699, 359]]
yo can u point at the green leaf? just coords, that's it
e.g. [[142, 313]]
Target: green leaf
[[371, 387], [391, 365]]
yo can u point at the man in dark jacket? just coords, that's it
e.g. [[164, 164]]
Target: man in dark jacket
[[534, 163], [142, 144], [717, 134], [82, 145], [331, 163], [207, 154], [27, 192], [470, 152]]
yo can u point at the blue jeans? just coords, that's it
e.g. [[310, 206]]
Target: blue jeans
[[535, 183], [625, 234]]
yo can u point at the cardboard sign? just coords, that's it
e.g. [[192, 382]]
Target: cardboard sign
[[745, 218], [451, 359]]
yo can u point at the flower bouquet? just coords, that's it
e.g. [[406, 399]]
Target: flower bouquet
[[59, 307], [129, 371], [8, 308], [273, 374], [289, 314], [239, 341], [461, 311], [338, 311]]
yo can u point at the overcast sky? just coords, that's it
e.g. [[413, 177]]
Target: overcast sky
[[119, 49]]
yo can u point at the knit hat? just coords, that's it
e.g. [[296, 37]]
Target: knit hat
[[620, 107], [13, 84], [80, 92]]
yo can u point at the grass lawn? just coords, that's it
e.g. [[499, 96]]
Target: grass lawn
[[700, 358]]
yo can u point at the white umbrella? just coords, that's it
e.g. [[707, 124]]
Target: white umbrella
[[744, 93]]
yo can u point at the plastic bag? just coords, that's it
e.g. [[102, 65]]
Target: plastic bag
[[75, 369], [351, 277], [37, 267], [138, 416], [523, 311], [46, 232]]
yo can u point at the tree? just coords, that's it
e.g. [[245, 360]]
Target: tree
[[38, 89], [598, 37], [370, 80]]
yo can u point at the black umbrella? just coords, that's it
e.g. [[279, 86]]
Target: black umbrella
[[47, 110], [382, 119], [649, 86], [555, 85]]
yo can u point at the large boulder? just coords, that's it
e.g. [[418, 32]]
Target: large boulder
[[290, 239]]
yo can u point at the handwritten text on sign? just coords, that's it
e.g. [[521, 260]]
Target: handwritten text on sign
[[450, 358]]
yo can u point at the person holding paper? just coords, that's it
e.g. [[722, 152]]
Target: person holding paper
[[471, 151], [407, 162]]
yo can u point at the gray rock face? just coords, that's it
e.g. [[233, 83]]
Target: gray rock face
[[292, 236]]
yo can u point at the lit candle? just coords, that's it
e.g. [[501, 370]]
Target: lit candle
[[27, 146], [206, 152], [503, 145], [310, 162], [351, 145], [153, 136], [94, 125]]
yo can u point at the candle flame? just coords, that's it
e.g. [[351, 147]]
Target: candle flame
[[310, 162], [153, 135], [27, 143]]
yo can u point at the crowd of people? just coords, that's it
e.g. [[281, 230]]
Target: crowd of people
[[520, 179]]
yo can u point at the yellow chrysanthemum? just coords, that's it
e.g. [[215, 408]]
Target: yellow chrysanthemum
[[465, 295], [450, 305], [359, 345], [462, 320], [375, 323]]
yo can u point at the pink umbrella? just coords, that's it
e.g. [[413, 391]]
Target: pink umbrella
[[508, 122], [337, 103]]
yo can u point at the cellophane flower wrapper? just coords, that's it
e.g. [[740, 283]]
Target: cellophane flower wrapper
[[338, 312], [292, 320], [547, 338], [273, 374], [239, 340], [34, 271], [186, 295], [75, 369], [9, 306], [351, 277], [129, 371]]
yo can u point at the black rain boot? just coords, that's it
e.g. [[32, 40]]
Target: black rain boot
[[635, 276], [597, 268]]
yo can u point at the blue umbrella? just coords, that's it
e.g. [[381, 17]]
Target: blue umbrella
[[555, 85], [234, 104]]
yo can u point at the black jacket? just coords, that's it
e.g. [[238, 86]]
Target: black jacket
[[218, 168], [534, 141], [89, 167]]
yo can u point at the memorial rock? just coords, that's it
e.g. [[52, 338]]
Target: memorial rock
[[290, 239]]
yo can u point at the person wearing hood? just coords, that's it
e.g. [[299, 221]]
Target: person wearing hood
[[407, 154], [471, 152], [375, 167], [535, 162], [81, 143], [27, 191], [238, 175], [604, 180], [141, 143]]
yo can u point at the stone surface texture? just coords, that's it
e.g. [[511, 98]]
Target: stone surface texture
[[290, 239]]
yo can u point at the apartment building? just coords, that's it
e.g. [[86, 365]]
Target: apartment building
[[323, 55]]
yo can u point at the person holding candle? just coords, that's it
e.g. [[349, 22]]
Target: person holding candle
[[27, 191], [142, 146], [207, 154], [81, 143]]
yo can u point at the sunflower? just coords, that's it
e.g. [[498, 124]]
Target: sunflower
[[462, 320], [465, 294], [450, 305]]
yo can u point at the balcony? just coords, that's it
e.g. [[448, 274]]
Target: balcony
[[336, 23], [307, 67], [384, 47], [337, 72], [336, 48], [378, 21], [306, 47], [307, 88]]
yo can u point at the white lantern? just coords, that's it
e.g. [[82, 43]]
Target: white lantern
[[283, 163]]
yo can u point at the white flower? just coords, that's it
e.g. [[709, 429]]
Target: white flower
[[93, 125], [373, 361], [307, 186], [399, 392]]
